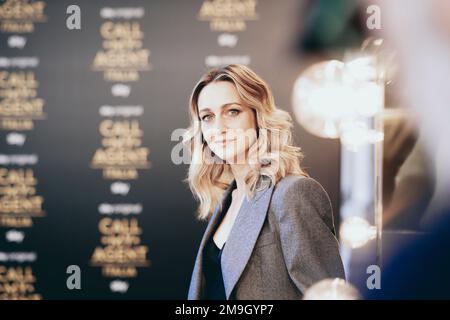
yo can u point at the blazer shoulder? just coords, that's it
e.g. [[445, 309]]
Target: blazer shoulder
[[292, 184], [295, 192]]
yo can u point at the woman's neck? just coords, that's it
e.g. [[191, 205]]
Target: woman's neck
[[240, 172]]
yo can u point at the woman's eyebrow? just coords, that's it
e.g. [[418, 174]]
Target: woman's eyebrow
[[223, 106]]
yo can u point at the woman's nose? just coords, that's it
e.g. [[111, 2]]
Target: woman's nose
[[221, 124]]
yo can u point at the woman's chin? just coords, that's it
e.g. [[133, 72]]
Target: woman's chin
[[230, 155], [236, 159]]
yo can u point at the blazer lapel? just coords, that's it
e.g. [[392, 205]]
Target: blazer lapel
[[196, 285], [243, 235]]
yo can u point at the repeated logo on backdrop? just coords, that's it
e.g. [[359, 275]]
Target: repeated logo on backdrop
[[20, 109], [227, 17], [121, 154], [86, 176]]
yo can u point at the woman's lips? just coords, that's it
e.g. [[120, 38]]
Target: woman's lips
[[224, 141]]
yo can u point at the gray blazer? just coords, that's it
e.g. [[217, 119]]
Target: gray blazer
[[282, 241]]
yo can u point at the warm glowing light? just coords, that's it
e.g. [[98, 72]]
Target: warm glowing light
[[356, 134], [332, 289], [329, 93], [356, 232], [320, 98]]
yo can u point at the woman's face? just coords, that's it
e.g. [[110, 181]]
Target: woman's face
[[228, 126]]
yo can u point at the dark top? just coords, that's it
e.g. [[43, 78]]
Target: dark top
[[214, 287]]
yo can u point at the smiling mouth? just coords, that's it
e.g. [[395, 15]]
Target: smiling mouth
[[224, 141]]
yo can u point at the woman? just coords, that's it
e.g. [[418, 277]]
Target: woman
[[270, 232]]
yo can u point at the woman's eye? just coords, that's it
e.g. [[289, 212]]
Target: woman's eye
[[233, 112], [206, 117]]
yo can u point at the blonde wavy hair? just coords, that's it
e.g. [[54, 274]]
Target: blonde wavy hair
[[277, 156]]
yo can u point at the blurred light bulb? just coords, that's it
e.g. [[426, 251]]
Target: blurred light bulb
[[356, 232], [331, 92], [356, 134], [361, 72], [321, 98], [332, 289]]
